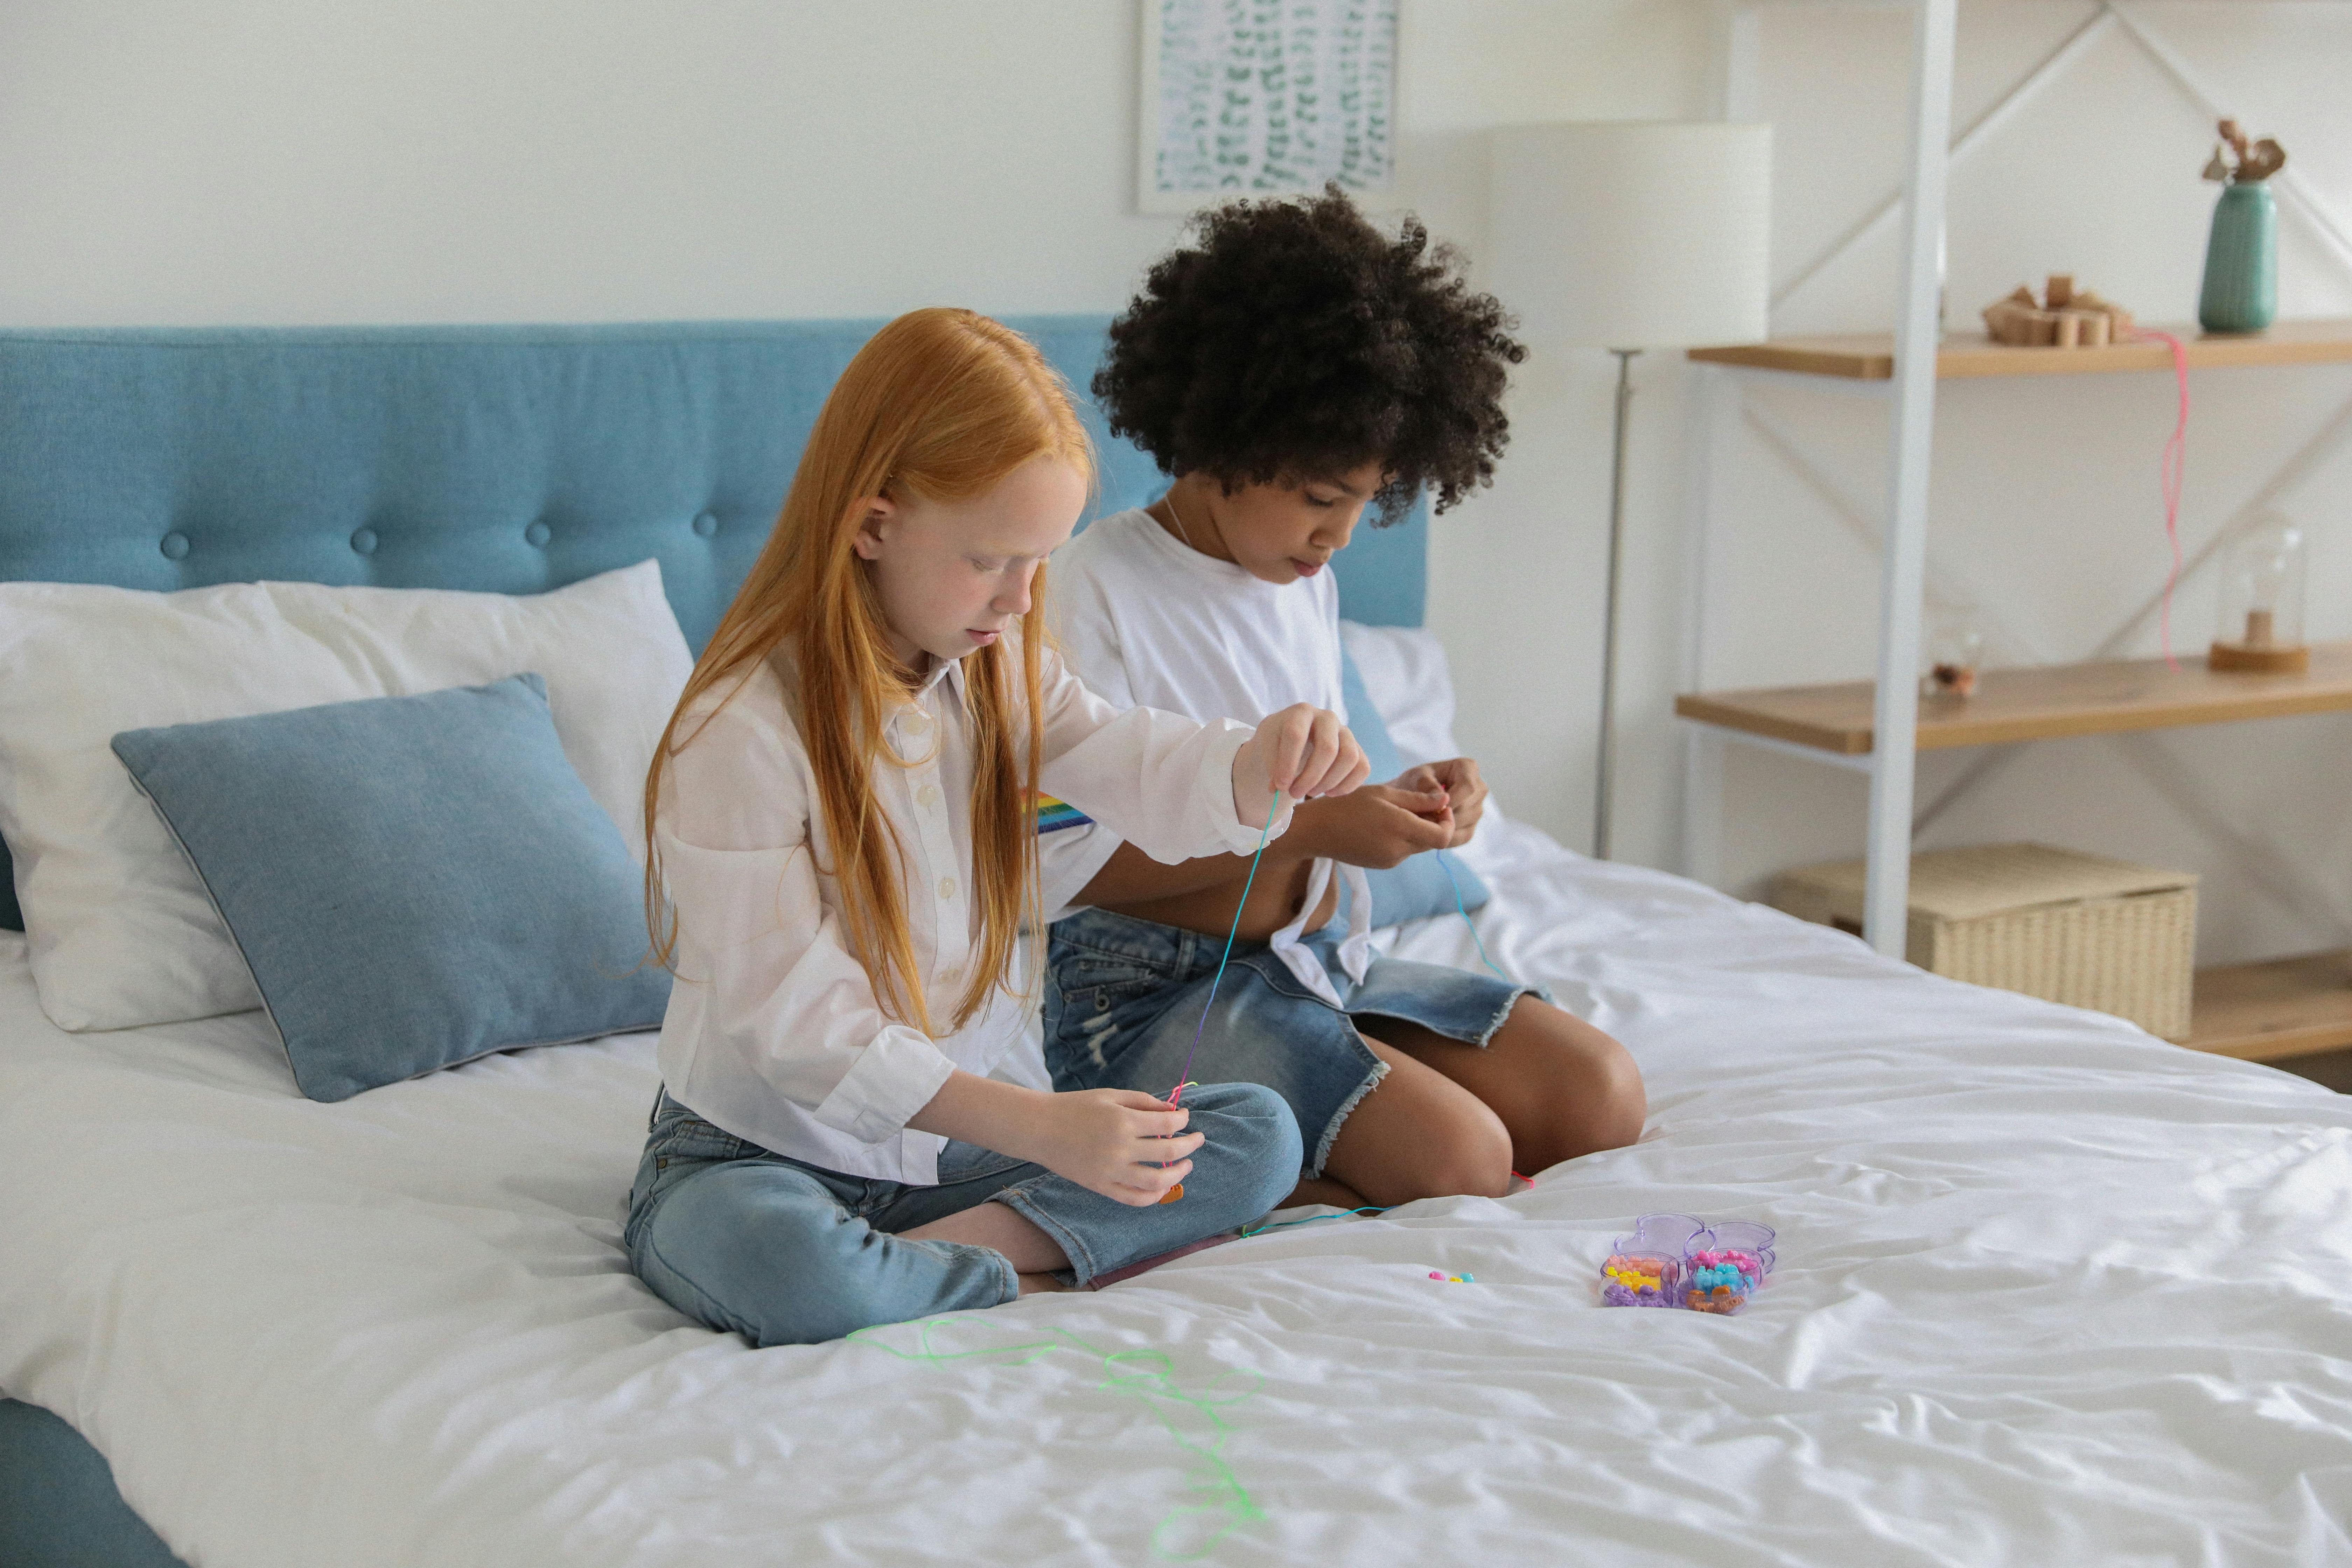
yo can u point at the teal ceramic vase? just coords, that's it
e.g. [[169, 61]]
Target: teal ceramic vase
[[2241, 293]]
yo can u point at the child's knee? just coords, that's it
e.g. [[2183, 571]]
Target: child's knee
[[736, 1260], [1596, 1101], [1621, 1102], [1609, 1104], [1253, 1131], [1470, 1156]]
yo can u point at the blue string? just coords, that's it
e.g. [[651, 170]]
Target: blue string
[[1463, 911], [1310, 1219], [1184, 1078]]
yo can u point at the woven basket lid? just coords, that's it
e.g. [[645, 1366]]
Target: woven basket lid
[[1995, 879]]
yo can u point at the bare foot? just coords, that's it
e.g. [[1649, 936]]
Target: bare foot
[[1041, 1284]]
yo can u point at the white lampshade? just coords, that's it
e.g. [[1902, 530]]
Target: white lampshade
[[1634, 234]]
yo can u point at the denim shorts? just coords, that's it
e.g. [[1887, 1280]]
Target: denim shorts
[[785, 1252], [1124, 997]]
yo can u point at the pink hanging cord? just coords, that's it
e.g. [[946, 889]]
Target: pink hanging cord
[[2175, 451]]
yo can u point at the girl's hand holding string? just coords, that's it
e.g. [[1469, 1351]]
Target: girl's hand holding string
[[1121, 1142], [1304, 751], [1465, 792], [1108, 1141]]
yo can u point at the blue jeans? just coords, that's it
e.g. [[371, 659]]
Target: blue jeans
[[1124, 999], [784, 1252]]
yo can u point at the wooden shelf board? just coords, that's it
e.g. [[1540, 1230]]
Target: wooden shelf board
[[1870, 356], [2039, 703], [2268, 1011]]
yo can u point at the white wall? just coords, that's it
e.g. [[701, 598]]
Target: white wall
[[283, 161], [279, 161]]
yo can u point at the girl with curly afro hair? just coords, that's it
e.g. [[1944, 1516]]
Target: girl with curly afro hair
[[1295, 368]]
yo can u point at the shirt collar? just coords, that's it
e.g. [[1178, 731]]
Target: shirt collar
[[947, 670]]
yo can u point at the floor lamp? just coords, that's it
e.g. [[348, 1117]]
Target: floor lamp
[[1630, 236]]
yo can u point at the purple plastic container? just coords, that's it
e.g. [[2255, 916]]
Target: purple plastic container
[[1640, 1278], [1701, 1267]]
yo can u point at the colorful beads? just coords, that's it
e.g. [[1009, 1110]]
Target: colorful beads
[[1639, 1279], [1454, 1279], [1678, 1260], [1728, 1262]]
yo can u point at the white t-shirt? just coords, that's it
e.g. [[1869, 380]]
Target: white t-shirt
[[1145, 621]]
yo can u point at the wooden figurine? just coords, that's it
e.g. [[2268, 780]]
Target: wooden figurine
[[2065, 317]]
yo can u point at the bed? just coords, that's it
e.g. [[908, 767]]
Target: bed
[[2047, 1288]]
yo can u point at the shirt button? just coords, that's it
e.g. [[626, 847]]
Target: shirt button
[[928, 795], [947, 887], [916, 722], [954, 974]]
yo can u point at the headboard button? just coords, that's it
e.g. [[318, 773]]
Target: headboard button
[[706, 525], [363, 541], [538, 533], [176, 546]]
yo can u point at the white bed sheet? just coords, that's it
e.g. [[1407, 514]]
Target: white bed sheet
[[2049, 1290]]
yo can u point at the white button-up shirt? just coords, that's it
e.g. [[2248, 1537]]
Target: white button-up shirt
[[773, 1032]]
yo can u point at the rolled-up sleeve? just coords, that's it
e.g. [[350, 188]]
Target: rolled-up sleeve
[[1157, 780], [782, 999]]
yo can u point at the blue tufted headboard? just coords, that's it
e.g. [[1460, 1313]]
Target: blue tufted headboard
[[511, 460]]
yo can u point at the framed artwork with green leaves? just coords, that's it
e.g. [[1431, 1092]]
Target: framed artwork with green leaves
[[1244, 98]]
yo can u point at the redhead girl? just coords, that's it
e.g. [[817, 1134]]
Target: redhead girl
[[842, 825]]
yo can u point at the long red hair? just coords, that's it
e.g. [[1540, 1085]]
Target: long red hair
[[940, 405]]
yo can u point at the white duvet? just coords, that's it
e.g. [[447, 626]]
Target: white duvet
[[2049, 1291]]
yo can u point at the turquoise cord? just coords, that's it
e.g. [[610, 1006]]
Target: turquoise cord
[[1184, 1078], [1310, 1219], [1463, 911]]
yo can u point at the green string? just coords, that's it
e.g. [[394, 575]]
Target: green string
[[1148, 1376]]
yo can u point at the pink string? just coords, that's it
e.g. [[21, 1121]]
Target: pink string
[[2168, 469]]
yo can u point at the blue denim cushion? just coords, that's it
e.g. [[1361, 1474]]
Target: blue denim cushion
[[415, 881], [1416, 888]]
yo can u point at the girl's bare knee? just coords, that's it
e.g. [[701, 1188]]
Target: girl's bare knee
[[1620, 1105], [1597, 1101], [1467, 1155]]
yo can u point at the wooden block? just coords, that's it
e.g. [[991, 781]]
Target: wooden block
[[2091, 328], [2006, 322], [2068, 328], [2119, 321], [2061, 292]]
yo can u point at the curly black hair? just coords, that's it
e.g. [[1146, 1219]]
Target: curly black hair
[[1293, 340]]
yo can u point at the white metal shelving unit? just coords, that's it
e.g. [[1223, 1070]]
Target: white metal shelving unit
[[2265, 1010], [1891, 763]]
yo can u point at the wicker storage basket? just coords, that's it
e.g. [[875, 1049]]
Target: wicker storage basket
[[2054, 923]]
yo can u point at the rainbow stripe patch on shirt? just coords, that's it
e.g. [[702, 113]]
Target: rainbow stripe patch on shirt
[[1055, 814]]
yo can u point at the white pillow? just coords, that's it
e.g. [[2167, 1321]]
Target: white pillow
[[120, 929], [1406, 677]]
